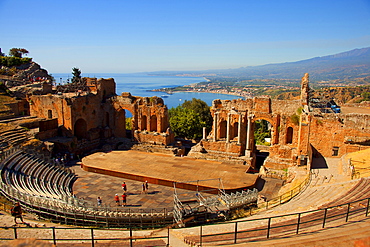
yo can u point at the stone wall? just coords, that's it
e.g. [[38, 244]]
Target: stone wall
[[297, 134], [100, 114], [334, 134]]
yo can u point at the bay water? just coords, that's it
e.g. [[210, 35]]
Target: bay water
[[141, 85]]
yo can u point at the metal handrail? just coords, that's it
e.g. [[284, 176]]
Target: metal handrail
[[295, 223]]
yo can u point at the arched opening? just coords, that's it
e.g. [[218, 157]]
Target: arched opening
[[223, 128], [80, 129], [124, 123], [289, 135], [262, 140], [130, 123], [50, 114], [143, 123], [153, 123]]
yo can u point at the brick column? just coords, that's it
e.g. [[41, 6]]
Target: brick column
[[228, 128], [249, 129], [215, 119], [239, 128]]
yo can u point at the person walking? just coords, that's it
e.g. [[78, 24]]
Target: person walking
[[146, 186], [144, 189], [16, 212], [124, 187], [99, 201], [116, 198]]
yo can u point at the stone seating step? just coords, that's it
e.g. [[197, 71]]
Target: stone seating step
[[350, 234], [312, 198], [357, 192]]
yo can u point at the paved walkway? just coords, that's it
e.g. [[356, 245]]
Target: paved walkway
[[90, 185]]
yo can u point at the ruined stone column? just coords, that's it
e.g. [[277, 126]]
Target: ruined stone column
[[249, 133], [204, 133], [215, 119], [228, 128], [239, 128]]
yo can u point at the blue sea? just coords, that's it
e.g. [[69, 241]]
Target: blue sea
[[141, 84]]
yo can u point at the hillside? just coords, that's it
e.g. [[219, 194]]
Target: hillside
[[352, 65], [341, 95]]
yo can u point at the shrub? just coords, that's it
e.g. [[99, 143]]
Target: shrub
[[295, 119], [14, 61]]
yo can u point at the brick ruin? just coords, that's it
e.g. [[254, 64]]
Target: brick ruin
[[80, 120], [299, 132]]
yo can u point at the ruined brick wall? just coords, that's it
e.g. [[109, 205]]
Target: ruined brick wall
[[51, 106], [262, 105], [231, 149], [48, 124], [85, 112], [150, 115], [286, 107], [106, 87], [334, 135]]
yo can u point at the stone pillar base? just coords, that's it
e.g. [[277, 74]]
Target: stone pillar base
[[248, 153]]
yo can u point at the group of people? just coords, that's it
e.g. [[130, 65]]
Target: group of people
[[145, 189], [64, 159], [124, 200]]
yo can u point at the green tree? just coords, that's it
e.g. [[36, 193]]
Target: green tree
[[185, 123], [76, 72], [188, 120], [128, 123], [18, 52], [261, 131], [366, 96], [202, 109]]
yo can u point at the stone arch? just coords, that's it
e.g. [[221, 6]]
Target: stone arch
[[149, 114], [80, 129], [120, 121], [153, 123], [289, 135]]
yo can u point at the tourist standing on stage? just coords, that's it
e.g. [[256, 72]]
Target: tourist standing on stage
[[124, 198], [146, 186], [144, 189], [116, 198], [99, 201], [124, 187]]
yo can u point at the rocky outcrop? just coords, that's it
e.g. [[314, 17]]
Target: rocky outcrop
[[24, 73], [30, 70]]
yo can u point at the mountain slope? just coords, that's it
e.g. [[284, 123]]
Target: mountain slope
[[342, 66], [346, 65]]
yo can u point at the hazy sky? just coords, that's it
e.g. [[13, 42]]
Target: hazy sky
[[150, 35]]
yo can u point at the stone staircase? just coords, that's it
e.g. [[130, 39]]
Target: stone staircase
[[13, 137], [351, 234], [330, 186]]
